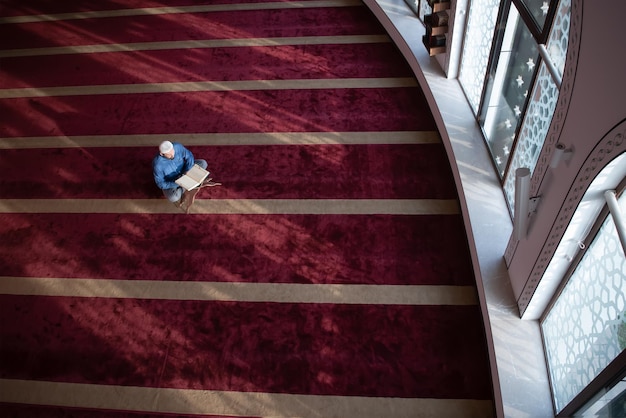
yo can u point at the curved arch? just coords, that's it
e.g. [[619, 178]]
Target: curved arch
[[612, 145]]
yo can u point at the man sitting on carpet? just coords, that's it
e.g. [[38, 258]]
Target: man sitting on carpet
[[172, 161]]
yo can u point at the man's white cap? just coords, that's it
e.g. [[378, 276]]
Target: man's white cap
[[165, 147]]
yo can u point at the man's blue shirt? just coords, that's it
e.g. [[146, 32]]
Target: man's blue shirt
[[166, 170]]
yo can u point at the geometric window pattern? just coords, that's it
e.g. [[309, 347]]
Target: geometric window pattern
[[539, 10], [503, 109], [534, 129], [506, 118], [559, 35], [543, 102], [481, 23], [586, 328]]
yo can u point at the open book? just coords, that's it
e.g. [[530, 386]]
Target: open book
[[192, 178]]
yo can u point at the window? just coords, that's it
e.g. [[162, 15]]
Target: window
[[507, 81], [481, 24], [508, 88], [541, 104], [610, 401], [584, 329]]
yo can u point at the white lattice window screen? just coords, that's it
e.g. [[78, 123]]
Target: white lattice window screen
[[586, 328], [542, 104], [477, 46], [559, 35], [534, 129]]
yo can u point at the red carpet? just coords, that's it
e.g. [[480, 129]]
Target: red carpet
[[325, 110], [295, 348], [227, 64], [259, 172], [96, 117], [187, 26], [251, 248]]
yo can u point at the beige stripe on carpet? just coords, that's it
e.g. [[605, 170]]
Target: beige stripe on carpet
[[238, 206], [210, 43], [180, 9], [195, 86], [243, 292], [211, 402], [221, 139]]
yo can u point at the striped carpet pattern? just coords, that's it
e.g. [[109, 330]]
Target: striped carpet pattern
[[329, 275]]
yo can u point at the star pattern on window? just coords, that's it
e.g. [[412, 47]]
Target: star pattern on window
[[531, 64], [545, 7], [508, 124], [520, 81], [517, 110]]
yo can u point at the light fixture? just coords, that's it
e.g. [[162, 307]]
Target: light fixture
[[522, 195], [559, 154], [524, 204]]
